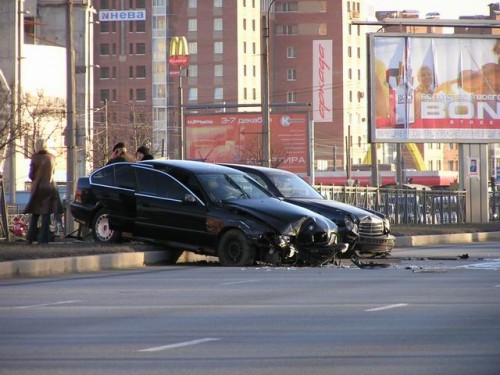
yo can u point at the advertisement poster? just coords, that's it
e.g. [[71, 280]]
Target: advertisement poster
[[473, 167], [435, 88], [237, 138], [322, 76]]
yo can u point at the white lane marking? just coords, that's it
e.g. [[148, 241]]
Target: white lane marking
[[388, 307], [240, 282], [178, 345], [47, 304]]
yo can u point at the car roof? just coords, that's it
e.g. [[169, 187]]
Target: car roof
[[198, 167], [258, 168]]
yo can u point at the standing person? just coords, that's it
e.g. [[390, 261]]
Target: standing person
[[143, 153], [120, 154], [44, 199]]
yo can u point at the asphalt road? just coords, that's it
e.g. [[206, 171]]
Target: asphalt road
[[417, 317]]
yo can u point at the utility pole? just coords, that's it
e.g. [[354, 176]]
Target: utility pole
[[70, 127], [266, 128]]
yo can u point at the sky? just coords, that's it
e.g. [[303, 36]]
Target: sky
[[449, 9]]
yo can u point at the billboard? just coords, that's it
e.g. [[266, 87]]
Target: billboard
[[237, 138], [434, 88], [322, 76]]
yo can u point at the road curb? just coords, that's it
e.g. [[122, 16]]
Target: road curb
[[86, 263], [94, 263]]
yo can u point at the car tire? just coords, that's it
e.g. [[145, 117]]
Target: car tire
[[234, 250], [101, 230]]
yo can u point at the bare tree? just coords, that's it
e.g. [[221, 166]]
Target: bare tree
[[251, 151], [33, 117], [135, 133]]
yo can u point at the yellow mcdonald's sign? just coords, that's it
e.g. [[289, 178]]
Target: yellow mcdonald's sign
[[178, 46], [178, 52]]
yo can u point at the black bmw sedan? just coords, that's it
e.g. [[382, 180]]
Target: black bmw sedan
[[204, 208], [366, 232]]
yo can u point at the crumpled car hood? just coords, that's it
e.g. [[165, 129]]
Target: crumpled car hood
[[323, 205], [284, 217]]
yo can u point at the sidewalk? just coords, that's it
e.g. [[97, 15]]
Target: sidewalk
[[406, 247]]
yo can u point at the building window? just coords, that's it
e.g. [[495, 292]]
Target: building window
[[140, 71], [244, 47], [244, 23], [104, 72], [130, 72], [140, 4], [217, 3], [140, 94], [131, 94], [287, 29], [159, 90], [113, 95], [104, 95], [291, 97], [290, 6], [450, 165], [218, 93], [218, 47], [253, 25], [193, 94], [113, 72], [245, 95], [192, 4], [192, 24], [254, 93], [104, 4], [244, 70], [193, 70], [219, 70], [140, 49], [140, 26], [218, 24], [291, 75], [131, 49], [104, 49], [104, 27], [349, 51], [193, 48], [349, 73], [291, 53], [254, 48]]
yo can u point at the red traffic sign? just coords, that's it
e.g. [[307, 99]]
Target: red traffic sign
[[182, 60]]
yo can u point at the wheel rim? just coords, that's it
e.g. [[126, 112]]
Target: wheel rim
[[234, 251], [102, 229]]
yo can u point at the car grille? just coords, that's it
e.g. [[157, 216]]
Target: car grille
[[370, 227]]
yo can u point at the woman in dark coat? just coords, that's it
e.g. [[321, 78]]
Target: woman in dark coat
[[143, 153], [44, 199]]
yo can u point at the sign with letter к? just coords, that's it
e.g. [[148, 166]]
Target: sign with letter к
[[178, 53]]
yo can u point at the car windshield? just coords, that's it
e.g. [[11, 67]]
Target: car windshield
[[232, 186], [292, 186]]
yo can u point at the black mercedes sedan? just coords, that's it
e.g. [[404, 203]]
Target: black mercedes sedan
[[367, 232], [204, 208]]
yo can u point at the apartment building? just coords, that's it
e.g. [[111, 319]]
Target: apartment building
[[225, 64]]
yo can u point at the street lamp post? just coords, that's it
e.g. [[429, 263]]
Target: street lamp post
[[266, 129]]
